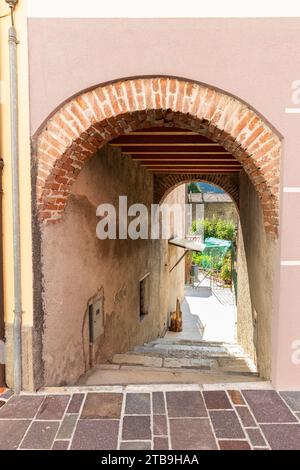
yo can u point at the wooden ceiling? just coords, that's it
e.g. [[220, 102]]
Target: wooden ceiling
[[171, 150]]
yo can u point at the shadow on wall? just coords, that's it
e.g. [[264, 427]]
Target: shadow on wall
[[80, 270], [255, 262]]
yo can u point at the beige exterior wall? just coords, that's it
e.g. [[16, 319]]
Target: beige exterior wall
[[25, 182], [236, 52]]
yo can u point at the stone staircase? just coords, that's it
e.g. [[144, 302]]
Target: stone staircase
[[176, 361]]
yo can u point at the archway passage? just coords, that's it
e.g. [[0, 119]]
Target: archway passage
[[90, 120], [143, 138]]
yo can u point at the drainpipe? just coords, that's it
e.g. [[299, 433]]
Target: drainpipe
[[2, 332], [12, 41]]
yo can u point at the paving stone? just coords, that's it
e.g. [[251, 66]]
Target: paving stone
[[161, 443], [292, 399], [234, 445], [60, 445], [245, 416], [158, 403], [40, 435], [100, 434], [191, 434], [256, 438], [136, 445], [102, 405], [160, 425], [216, 399], [24, 406], [11, 433], [298, 416], [67, 427], [136, 427], [236, 397], [185, 404], [75, 403], [137, 403], [226, 425], [268, 407], [282, 436], [6, 395], [53, 407]]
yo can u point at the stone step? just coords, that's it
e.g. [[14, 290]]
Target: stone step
[[186, 342], [107, 374], [186, 352], [208, 364], [137, 359]]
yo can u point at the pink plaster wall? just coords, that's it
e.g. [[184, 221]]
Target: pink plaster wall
[[253, 59]]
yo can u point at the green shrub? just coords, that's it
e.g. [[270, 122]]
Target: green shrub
[[216, 228], [226, 270]]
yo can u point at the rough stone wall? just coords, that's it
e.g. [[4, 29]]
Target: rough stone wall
[[77, 267], [224, 211], [256, 261]]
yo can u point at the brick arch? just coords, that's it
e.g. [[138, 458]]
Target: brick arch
[[91, 119], [165, 184]]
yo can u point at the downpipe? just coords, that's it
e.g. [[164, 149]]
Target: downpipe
[[2, 333], [17, 345]]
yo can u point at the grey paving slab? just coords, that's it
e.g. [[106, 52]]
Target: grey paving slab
[[67, 427], [234, 445], [158, 403], [185, 404], [136, 445], [226, 425], [191, 434], [136, 427], [245, 416], [21, 407], [268, 407], [40, 435], [292, 398], [137, 403], [102, 405], [161, 443], [256, 438], [75, 403], [53, 407], [96, 434], [216, 399], [12, 432], [60, 445], [282, 436], [160, 427]]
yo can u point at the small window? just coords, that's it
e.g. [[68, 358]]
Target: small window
[[144, 296]]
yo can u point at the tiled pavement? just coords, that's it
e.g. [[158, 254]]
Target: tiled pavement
[[146, 419]]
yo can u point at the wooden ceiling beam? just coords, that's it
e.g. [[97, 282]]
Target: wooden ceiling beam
[[164, 144], [197, 171], [141, 152]]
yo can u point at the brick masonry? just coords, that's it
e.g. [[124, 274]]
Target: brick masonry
[[90, 120], [167, 418]]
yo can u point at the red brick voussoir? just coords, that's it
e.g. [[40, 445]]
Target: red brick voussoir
[[88, 121]]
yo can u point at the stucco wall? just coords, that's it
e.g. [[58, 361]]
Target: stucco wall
[[256, 260], [237, 55], [78, 266]]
